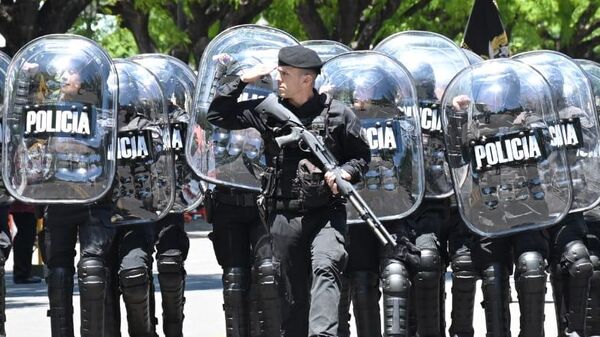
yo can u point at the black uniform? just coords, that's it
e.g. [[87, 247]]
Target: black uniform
[[172, 246], [96, 233], [303, 230], [242, 244], [131, 276], [474, 257], [593, 244], [5, 245]]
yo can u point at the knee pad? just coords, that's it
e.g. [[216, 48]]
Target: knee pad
[[595, 259], [92, 276], [395, 278], [430, 267], [171, 271], [134, 284], [267, 278], [235, 281], [463, 270], [530, 275], [576, 261]]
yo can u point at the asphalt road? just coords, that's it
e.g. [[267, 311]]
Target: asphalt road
[[27, 304]]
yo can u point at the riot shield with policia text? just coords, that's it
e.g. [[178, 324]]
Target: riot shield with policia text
[[578, 129], [4, 61], [432, 60], [177, 81], [381, 93], [59, 121], [509, 174], [145, 183], [232, 158]]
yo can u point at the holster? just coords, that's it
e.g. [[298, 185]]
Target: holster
[[209, 206], [313, 192]]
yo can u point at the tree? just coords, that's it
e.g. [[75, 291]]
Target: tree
[[21, 21]]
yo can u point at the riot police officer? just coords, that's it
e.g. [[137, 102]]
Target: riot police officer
[[303, 227]]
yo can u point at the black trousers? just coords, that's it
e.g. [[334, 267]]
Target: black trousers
[[239, 237], [170, 236], [23, 244], [5, 241], [310, 248], [65, 222]]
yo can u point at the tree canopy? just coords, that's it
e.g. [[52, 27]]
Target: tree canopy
[[183, 28]]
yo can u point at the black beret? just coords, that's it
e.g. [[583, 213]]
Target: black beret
[[300, 57]]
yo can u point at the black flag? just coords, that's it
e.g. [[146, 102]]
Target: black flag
[[485, 33]]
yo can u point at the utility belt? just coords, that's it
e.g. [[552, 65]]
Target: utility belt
[[287, 205], [229, 197], [242, 199]]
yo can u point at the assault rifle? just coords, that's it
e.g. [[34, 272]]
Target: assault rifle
[[307, 140]]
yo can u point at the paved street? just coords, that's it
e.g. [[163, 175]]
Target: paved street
[[27, 304]]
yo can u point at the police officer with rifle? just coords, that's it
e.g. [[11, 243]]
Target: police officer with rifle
[[302, 207]]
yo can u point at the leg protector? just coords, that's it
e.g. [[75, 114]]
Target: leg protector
[[427, 293], [60, 296], [464, 279], [344, 308], [269, 300], [2, 297], [593, 312], [576, 263], [235, 304], [496, 300], [92, 288], [396, 287], [365, 298], [171, 277], [135, 286], [530, 281]]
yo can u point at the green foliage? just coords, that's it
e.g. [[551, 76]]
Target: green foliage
[[120, 43], [281, 14], [164, 32]]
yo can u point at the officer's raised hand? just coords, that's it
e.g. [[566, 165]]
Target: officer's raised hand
[[254, 73], [461, 102], [330, 180]]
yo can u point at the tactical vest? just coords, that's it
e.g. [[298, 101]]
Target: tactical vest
[[296, 190]]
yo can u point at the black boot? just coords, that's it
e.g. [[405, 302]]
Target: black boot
[[235, 301], [365, 298], [396, 291], [92, 277], [171, 277], [530, 281], [427, 293], [269, 299], [344, 308], [593, 312], [60, 296], [135, 286], [496, 300], [464, 280]]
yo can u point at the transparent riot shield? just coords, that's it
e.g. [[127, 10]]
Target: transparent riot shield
[[145, 183], [578, 129], [472, 57], [59, 121], [508, 172], [432, 60], [381, 93], [4, 61], [177, 81], [326, 49], [592, 70], [219, 156]]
